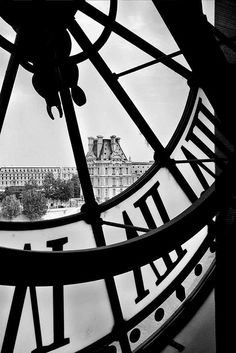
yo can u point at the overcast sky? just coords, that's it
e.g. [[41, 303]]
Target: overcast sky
[[30, 137]]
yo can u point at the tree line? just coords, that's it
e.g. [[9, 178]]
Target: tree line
[[32, 200]]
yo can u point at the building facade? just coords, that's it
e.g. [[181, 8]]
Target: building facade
[[19, 176], [110, 170], [139, 168]]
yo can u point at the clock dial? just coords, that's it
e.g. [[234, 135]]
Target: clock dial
[[117, 277]]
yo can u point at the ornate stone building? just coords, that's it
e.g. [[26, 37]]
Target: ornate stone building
[[110, 170]]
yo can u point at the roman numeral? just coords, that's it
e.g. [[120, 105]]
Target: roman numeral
[[169, 263], [142, 205], [216, 136], [211, 142], [197, 168], [17, 308]]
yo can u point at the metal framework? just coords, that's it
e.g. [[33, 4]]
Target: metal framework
[[210, 71]]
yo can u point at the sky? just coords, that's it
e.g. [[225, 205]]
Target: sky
[[30, 138]]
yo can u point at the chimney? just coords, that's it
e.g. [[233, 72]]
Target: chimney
[[90, 144], [117, 142], [99, 145], [113, 141]]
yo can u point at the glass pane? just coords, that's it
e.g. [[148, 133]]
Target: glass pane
[[86, 319], [127, 286], [31, 140]]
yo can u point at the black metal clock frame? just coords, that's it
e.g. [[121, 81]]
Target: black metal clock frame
[[211, 71]]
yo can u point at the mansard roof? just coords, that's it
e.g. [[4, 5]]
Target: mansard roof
[[105, 149]]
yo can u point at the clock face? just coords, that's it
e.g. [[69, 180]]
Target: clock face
[[117, 275]]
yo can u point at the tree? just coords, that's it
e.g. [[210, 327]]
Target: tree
[[57, 189], [76, 185], [11, 207], [34, 204], [49, 186], [13, 190], [2, 195], [31, 184], [63, 190]]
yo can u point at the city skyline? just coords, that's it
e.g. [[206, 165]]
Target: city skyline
[[109, 169]]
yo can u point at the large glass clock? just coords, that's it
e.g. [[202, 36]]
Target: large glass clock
[[126, 275]]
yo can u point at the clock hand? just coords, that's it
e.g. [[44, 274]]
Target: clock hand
[[57, 104]]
